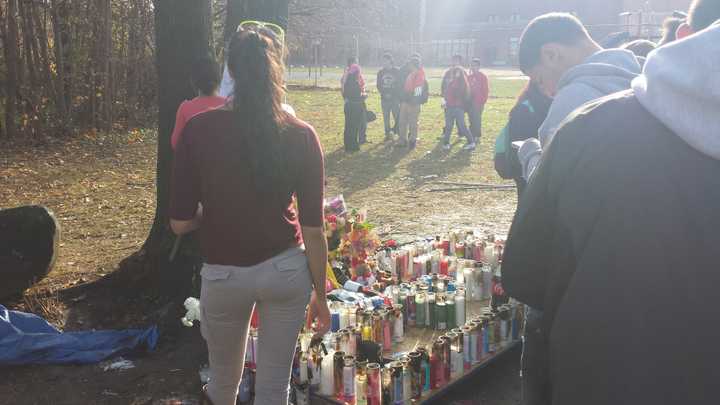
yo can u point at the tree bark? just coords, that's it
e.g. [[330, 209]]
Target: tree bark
[[133, 52], [11, 84], [106, 52], [61, 39], [52, 85], [182, 32]]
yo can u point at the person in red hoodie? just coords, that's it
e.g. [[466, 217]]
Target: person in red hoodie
[[205, 80], [479, 93], [455, 97]]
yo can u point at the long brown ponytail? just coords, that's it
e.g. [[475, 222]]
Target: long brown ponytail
[[255, 62]]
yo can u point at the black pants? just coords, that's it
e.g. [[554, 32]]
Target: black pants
[[390, 107], [534, 363], [355, 125]]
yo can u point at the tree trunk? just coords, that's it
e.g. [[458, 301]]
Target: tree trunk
[[61, 38], [182, 34], [29, 60], [106, 52], [133, 52], [11, 84]]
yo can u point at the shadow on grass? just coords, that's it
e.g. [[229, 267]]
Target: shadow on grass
[[438, 163], [360, 170]]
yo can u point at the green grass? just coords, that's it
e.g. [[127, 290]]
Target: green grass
[[392, 183]]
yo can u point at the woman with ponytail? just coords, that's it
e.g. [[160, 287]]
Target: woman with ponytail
[[257, 174]]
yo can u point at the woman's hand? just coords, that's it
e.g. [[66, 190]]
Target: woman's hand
[[319, 311]]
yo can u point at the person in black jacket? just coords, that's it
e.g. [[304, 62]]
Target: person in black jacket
[[525, 119], [616, 238], [353, 91], [389, 84]]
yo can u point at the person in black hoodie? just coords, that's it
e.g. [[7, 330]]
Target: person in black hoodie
[[389, 84], [353, 91], [526, 117], [616, 238]]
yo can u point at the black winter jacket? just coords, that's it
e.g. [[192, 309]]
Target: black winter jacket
[[617, 239]]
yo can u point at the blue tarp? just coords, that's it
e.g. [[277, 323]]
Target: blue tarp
[[29, 339]]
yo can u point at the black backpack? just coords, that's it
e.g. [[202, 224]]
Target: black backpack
[[425, 93], [506, 160]]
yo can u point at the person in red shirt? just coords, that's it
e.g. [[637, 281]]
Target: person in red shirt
[[456, 93], [249, 177], [479, 93], [205, 79]]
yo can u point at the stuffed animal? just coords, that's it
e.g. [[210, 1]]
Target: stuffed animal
[[193, 311]]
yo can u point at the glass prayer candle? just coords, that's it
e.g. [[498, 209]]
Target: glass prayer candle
[[440, 313], [398, 326], [420, 309], [450, 310], [430, 321]]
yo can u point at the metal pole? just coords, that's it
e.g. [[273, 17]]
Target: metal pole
[[357, 48]]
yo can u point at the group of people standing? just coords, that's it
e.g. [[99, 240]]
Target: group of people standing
[[464, 92], [402, 92]]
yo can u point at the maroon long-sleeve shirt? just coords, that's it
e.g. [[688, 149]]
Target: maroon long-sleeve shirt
[[240, 227]]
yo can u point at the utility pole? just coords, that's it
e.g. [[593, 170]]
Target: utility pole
[[422, 22]]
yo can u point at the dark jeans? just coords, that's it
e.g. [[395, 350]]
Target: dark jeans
[[390, 106], [456, 116], [534, 363], [355, 125], [475, 113]]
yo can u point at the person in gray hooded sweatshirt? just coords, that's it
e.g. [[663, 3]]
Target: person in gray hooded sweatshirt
[[557, 52], [616, 238]]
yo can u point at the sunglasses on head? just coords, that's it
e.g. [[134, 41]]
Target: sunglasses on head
[[273, 31]]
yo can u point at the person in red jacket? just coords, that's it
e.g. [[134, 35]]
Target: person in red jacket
[[205, 80], [479, 93], [456, 93]]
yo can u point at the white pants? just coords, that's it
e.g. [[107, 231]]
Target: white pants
[[279, 289]]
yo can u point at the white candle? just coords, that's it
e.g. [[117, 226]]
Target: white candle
[[468, 278], [398, 328], [315, 365], [352, 317], [303, 369], [477, 286], [343, 319], [489, 253], [460, 307], [327, 382]]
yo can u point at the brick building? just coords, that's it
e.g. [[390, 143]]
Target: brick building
[[488, 29], [491, 29]]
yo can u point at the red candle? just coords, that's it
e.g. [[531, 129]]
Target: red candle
[[444, 266]]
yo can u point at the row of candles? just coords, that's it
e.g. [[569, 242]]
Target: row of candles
[[334, 369], [436, 302], [445, 256]]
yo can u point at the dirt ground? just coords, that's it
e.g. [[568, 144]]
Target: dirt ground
[[101, 188]]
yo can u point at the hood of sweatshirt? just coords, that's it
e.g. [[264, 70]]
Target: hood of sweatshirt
[[680, 86], [608, 71]]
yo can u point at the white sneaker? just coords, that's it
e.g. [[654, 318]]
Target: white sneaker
[[470, 146], [446, 146]]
